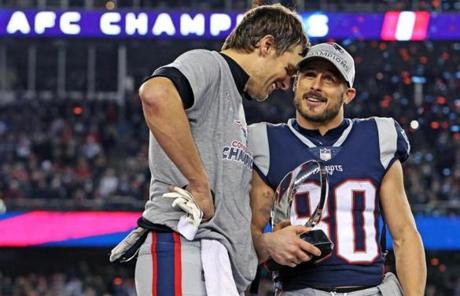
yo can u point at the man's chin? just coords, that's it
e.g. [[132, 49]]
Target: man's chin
[[260, 98], [318, 118], [256, 96]]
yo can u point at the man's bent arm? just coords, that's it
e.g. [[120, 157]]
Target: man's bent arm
[[407, 243], [165, 116]]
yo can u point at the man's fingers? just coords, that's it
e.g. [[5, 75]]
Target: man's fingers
[[303, 257], [299, 229], [300, 258], [295, 259], [307, 247], [290, 261]]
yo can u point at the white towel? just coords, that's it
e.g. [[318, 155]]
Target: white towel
[[187, 229], [218, 275]]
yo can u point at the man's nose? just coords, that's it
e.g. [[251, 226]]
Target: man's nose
[[316, 85], [285, 84]]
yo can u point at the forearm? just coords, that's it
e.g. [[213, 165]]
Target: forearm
[[261, 209], [259, 244], [410, 263], [261, 206]]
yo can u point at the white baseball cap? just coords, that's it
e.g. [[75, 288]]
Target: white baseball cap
[[335, 54]]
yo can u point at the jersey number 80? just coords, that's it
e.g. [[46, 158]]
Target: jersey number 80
[[354, 217]]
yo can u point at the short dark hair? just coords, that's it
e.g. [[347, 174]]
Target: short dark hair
[[276, 20]]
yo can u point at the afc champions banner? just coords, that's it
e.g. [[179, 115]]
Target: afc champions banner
[[391, 26]]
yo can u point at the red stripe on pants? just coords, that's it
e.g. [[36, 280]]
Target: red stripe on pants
[[177, 265], [153, 250]]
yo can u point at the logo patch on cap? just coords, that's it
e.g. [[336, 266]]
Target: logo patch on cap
[[337, 47]]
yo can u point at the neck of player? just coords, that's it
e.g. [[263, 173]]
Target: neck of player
[[244, 59], [324, 126]]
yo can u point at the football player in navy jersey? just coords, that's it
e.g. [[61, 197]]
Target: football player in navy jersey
[[363, 159]]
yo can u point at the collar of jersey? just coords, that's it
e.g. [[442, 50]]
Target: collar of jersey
[[239, 75], [310, 144]]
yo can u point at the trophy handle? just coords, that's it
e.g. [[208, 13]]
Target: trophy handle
[[324, 182]]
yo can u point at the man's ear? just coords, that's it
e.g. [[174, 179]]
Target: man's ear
[[266, 44], [349, 95]]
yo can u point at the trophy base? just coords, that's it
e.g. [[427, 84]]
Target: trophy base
[[315, 237], [320, 240]]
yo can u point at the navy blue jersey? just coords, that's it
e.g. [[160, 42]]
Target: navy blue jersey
[[356, 158]]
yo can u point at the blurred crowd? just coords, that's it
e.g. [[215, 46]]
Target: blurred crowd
[[93, 153], [78, 280]]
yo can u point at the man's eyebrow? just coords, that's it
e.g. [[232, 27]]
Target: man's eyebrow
[[330, 72]]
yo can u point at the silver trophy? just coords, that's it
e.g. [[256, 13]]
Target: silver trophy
[[309, 171]]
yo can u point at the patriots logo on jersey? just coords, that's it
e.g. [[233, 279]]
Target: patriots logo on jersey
[[325, 154]]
